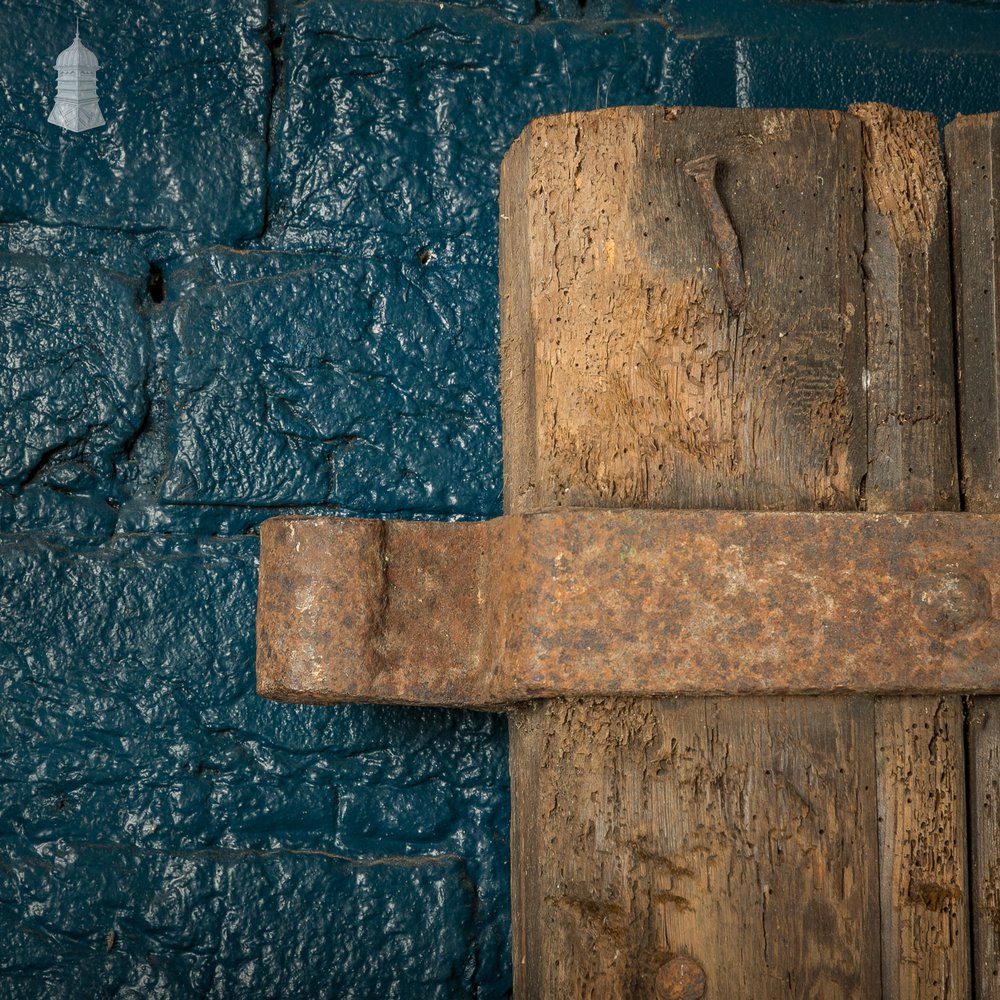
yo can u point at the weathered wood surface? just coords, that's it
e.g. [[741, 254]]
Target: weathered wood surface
[[913, 466], [984, 837], [920, 761], [741, 833], [737, 831], [909, 368], [973, 149], [627, 380]]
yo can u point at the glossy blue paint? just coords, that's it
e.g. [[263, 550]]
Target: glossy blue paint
[[316, 182]]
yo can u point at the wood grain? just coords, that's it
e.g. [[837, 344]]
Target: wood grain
[[984, 796], [910, 368], [741, 833], [731, 830], [913, 466], [973, 150], [642, 389], [920, 760]]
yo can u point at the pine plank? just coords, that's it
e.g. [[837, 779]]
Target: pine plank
[[913, 466], [738, 832], [972, 145]]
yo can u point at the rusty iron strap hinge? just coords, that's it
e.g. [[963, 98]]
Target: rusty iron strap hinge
[[637, 602]]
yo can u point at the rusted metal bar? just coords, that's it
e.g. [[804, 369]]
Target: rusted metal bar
[[639, 602]]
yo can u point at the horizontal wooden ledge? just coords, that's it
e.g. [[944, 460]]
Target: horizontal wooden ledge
[[637, 602]]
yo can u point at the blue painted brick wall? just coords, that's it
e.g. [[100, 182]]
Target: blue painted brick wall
[[316, 184]]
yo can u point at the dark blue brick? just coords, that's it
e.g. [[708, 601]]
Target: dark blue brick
[[184, 89], [308, 379], [75, 357], [214, 923], [832, 74], [229, 843], [395, 116]]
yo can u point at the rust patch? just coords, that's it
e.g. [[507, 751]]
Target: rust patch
[[734, 280], [626, 602], [681, 978], [949, 599]]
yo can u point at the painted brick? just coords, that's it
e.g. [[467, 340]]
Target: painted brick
[[184, 89], [317, 182], [229, 843], [209, 923], [393, 124], [75, 356], [333, 380]]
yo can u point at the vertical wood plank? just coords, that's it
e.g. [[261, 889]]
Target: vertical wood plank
[[912, 466], [645, 387], [517, 361], [922, 847], [973, 150], [739, 832], [984, 796], [724, 829], [910, 369]]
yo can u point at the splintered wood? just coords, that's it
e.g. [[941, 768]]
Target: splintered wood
[[645, 363], [920, 759], [912, 455], [738, 832]]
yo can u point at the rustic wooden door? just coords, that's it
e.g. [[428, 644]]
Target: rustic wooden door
[[809, 846]]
